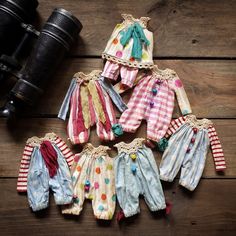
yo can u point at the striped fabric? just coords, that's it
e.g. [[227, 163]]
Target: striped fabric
[[217, 151], [128, 74], [92, 104], [26, 157], [153, 100]]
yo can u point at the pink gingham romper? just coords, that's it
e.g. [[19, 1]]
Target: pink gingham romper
[[153, 100]]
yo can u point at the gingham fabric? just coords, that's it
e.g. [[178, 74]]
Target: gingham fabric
[[153, 100], [216, 147], [26, 158]]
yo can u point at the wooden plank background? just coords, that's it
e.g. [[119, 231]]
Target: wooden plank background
[[195, 38]]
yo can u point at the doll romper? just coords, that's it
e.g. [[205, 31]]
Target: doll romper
[[187, 150], [89, 104], [136, 174], [153, 100], [93, 178], [45, 165], [128, 50]]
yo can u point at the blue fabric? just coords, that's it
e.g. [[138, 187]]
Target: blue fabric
[[135, 177], [115, 97], [39, 182], [66, 102], [135, 31], [191, 163]]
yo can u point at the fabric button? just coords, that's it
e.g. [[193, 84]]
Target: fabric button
[[192, 140], [133, 168], [158, 82], [195, 130], [87, 183], [154, 91], [188, 150], [86, 188], [133, 156], [151, 104]]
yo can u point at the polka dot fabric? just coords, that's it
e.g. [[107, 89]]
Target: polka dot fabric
[[93, 179]]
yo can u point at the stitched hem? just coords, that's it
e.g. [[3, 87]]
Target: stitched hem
[[185, 185], [71, 211], [38, 208], [141, 65], [128, 130], [164, 178], [63, 202], [158, 208], [129, 214]]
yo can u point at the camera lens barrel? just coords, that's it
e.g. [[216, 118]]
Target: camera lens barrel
[[56, 38]]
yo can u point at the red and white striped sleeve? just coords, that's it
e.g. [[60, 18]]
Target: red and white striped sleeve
[[174, 125], [217, 150], [24, 169], [65, 150]]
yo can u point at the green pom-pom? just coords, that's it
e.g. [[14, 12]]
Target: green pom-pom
[[162, 144], [117, 130]]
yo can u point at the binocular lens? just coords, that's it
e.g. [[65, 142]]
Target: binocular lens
[[56, 38]]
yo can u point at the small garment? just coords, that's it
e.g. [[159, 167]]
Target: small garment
[[93, 178], [129, 49], [187, 150], [153, 100], [89, 104], [45, 165], [136, 174]]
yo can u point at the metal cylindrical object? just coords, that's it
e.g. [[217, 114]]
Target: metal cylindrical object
[[56, 38]]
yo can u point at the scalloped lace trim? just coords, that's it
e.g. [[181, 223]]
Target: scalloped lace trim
[[36, 141], [129, 19], [199, 124], [95, 150], [93, 75], [141, 65], [165, 74], [130, 147]]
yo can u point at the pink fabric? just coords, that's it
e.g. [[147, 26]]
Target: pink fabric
[[50, 157], [158, 116], [128, 74]]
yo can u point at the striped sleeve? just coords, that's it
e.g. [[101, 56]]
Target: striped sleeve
[[65, 150], [24, 168], [174, 125], [217, 150]]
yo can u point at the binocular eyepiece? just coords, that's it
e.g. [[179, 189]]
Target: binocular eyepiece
[[56, 38]]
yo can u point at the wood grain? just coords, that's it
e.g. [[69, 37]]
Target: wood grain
[[210, 85], [181, 28], [203, 212], [13, 141]]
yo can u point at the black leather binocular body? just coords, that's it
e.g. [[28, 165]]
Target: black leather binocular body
[[56, 38]]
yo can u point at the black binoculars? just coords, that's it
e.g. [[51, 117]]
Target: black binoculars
[[56, 38]]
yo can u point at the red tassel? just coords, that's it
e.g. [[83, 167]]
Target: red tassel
[[168, 207], [120, 216]]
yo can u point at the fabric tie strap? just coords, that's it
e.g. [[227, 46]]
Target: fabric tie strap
[[50, 157], [135, 31]]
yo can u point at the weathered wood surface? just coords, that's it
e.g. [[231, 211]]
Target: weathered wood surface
[[13, 141], [198, 33], [209, 211], [181, 28]]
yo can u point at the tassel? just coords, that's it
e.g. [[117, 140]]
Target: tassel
[[162, 144], [168, 207], [117, 130], [120, 216]]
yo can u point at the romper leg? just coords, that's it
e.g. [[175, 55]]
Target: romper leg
[[128, 75], [104, 131], [111, 70], [76, 129], [61, 183], [79, 177], [149, 180], [103, 186], [38, 182], [137, 105], [175, 153], [127, 188], [194, 161], [159, 113]]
